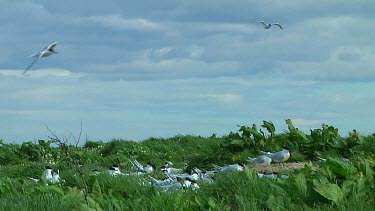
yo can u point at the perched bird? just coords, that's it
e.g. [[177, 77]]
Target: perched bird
[[280, 156], [47, 51], [192, 176], [269, 25], [133, 174], [94, 172], [114, 170], [54, 177], [165, 181], [269, 176], [171, 170], [260, 160], [171, 187], [168, 163], [228, 168], [147, 169], [188, 183]]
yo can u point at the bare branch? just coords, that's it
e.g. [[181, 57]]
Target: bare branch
[[63, 144]]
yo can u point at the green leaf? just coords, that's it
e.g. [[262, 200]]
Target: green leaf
[[275, 203], [269, 126], [51, 189], [96, 188], [341, 168], [331, 192], [237, 142], [211, 203], [294, 132], [300, 182]]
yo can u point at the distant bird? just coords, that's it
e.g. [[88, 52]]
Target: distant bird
[[280, 156], [260, 160], [48, 173], [269, 176], [165, 181], [171, 187], [114, 170], [168, 163], [166, 168], [94, 172], [192, 176], [54, 178], [147, 169], [228, 168], [269, 25], [188, 183], [47, 51]]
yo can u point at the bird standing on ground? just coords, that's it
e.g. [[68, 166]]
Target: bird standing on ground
[[280, 156], [269, 25], [47, 51], [260, 160]]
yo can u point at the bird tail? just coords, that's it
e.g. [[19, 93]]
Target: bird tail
[[153, 180], [216, 167], [138, 165], [249, 159]]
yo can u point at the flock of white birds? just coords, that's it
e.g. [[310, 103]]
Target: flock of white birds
[[177, 178], [49, 50]]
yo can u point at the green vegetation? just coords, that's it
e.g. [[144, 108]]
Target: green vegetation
[[335, 185]]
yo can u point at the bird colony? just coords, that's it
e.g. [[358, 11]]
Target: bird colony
[[178, 178]]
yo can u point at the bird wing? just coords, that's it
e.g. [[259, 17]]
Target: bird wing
[[277, 24], [53, 45], [138, 165], [262, 22], [36, 59]]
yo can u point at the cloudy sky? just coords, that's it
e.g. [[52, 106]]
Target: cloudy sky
[[139, 69]]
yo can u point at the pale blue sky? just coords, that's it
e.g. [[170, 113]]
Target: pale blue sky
[[139, 69]]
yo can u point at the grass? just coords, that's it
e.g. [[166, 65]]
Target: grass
[[231, 191]]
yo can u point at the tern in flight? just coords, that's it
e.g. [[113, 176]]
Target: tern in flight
[[269, 25], [47, 51]]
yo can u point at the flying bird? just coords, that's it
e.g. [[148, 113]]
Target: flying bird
[[269, 25], [47, 51]]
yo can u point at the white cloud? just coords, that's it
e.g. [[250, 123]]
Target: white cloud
[[345, 63], [195, 51], [118, 22], [233, 99], [307, 123], [41, 73], [162, 51]]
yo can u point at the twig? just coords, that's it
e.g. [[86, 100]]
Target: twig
[[63, 144]]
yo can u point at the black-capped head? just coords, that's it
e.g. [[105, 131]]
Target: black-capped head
[[241, 164], [286, 148], [48, 167], [188, 179]]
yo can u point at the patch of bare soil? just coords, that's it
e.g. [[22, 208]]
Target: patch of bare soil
[[281, 168]]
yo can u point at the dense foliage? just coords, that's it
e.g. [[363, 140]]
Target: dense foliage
[[344, 182]]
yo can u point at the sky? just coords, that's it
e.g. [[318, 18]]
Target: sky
[[140, 69]]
